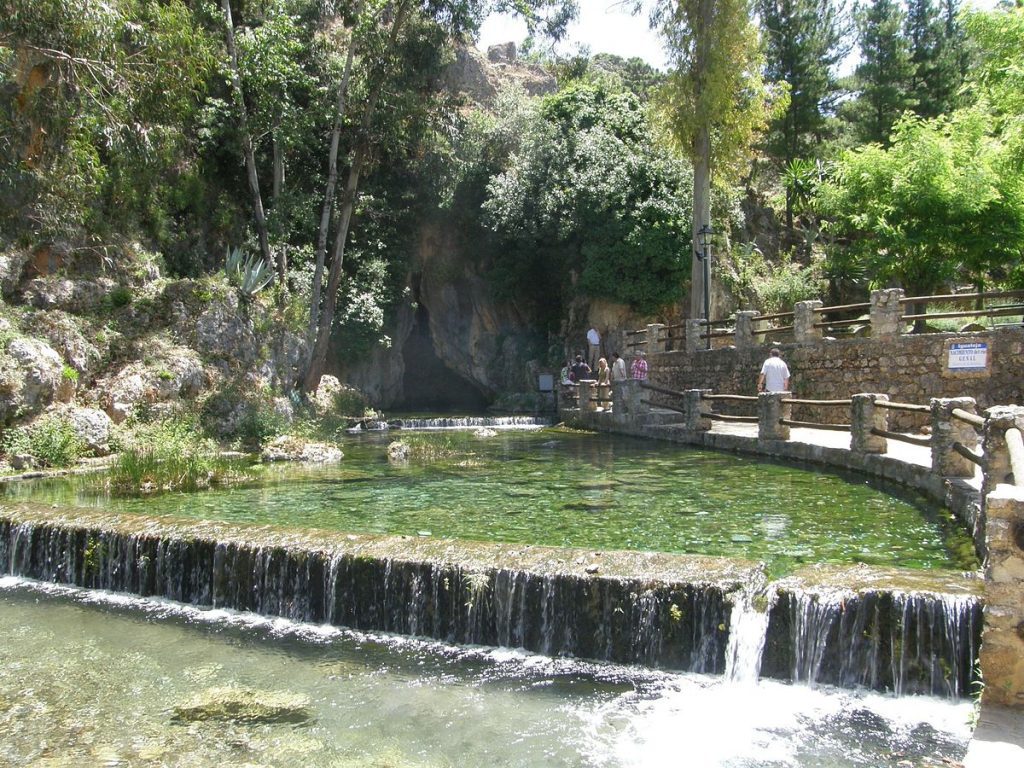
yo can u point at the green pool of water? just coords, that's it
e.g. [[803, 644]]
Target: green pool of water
[[561, 489]]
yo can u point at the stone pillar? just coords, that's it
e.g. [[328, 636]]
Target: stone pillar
[[1002, 642], [946, 430], [886, 313], [655, 338], [997, 457], [745, 329], [694, 331], [618, 401], [588, 391], [804, 318], [693, 405], [631, 394], [772, 406], [863, 417]]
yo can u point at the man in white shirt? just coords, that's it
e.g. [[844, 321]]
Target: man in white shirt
[[774, 374], [594, 347]]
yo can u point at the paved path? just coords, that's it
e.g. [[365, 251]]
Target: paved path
[[998, 739], [911, 454]]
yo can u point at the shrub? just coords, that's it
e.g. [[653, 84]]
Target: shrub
[[349, 401], [248, 417], [51, 441]]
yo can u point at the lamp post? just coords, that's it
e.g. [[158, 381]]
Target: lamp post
[[704, 238]]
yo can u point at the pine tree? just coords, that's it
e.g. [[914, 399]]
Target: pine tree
[[884, 75], [935, 42], [803, 45]]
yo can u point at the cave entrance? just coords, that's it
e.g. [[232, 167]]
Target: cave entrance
[[428, 384]]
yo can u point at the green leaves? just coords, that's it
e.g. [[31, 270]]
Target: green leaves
[[587, 191], [937, 204], [249, 274]]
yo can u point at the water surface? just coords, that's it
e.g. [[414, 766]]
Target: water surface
[[582, 490], [93, 679]]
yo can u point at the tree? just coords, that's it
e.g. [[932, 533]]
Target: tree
[[587, 203], [248, 152], [392, 37], [714, 102], [102, 98], [933, 37], [884, 74], [936, 205], [997, 77], [803, 46]]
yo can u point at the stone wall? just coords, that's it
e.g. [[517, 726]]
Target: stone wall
[[909, 368], [1002, 651]]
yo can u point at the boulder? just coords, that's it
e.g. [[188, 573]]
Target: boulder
[[175, 375], [64, 334], [12, 264], [74, 296], [291, 448], [398, 451], [93, 428], [244, 705], [503, 53], [30, 376], [325, 396], [223, 332]]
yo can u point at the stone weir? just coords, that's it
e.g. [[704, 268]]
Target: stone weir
[[903, 631]]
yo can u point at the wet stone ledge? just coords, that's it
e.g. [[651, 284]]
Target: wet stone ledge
[[890, 629]]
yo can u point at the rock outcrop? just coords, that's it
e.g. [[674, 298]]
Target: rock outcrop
[[30, 377]]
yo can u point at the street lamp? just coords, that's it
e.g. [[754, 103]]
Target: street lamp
[[704, 238]]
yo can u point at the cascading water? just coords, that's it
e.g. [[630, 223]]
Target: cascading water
[[747, 634], [692, 619], [471, 422], [907, 643]]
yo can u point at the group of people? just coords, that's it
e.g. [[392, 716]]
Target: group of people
[[774, 375], [577, 370]]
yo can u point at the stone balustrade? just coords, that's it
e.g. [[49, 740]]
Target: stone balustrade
[[886, 321], [955, 430]]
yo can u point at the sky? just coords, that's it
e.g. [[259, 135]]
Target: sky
[[606, 26]]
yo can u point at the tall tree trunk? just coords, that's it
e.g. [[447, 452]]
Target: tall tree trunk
[[243, 126], [332, 181], [277, 190], [278, 183], [318, 354], [701, 215]]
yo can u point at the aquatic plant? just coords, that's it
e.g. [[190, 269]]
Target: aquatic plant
[[170, 455]]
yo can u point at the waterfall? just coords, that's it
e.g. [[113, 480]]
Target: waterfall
[[471, 422], [619, 619], [907, 643], [747, 634], [722, 620]]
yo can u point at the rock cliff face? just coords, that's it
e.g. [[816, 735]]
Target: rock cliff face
[[454, 346]]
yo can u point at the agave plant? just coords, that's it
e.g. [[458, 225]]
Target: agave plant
[[250, 274]]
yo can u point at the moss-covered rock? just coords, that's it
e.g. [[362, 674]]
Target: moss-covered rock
[[244, 705], [291, 448]]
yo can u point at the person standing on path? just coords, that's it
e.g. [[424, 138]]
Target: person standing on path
[[774, 375], [593, 347], [618, 367], [638, 370]]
